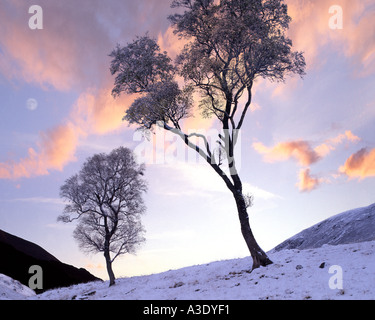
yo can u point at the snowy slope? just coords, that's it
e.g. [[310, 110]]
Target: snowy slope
[[295, 274], [11, 289], [357, 225]]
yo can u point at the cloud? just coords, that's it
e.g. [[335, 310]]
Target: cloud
[[94, 267], [329, 145], [58, 145], [310, 32], [298, 150], [307, 182], [301, 150], [70, 54], [94, 112], [56, 149], [97, 112], [170, 42], [360, 165], [26, 167], [52, 57], [305, 155]]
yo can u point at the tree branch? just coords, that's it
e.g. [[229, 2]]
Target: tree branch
[[208, 159]]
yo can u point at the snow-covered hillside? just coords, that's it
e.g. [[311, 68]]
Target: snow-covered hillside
[[357, 225], [11, 289], [330, 272], [314, 264]]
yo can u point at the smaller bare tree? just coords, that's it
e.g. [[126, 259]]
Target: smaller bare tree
[[106, 199]]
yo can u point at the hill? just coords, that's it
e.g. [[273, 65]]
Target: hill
[[18, 255], [353, 226]]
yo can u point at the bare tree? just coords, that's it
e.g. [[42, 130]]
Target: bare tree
[[106, 199], [230, 44]]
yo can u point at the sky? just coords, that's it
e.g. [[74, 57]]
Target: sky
[[307, 148]]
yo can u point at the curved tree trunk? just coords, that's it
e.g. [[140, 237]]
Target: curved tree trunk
[[260, 258], [108, 261], [109, 270]]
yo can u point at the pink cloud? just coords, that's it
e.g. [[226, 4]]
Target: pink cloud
[[360, 165], [298, 150], [95, 112], [302, 152], [170, 42], [56, 149], [310, 31], [307, 182], [70, 54], [52, 57], [329, 145]]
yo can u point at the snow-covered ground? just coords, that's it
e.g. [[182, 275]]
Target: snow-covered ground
[[11, 289], [330, 272]]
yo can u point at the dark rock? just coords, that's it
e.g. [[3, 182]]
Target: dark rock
[[177, 285]]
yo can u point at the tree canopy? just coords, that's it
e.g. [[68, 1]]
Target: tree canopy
[[229, 45], [106, 199]]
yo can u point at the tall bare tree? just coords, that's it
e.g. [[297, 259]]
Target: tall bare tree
[[106, 199], [230, 44]]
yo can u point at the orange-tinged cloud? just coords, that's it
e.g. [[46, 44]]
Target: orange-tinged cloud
[[310, 31], [307, 182], [325, 148], [98, 112], [70, 54], [298, 150], [27, 167], [52, 57], [59, 145], [347, 136], [95, 112], [302, 151], [56, 149], [170, 42], [360, 165]]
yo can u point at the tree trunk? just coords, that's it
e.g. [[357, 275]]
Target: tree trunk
[[260, 258], [109, 266]]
